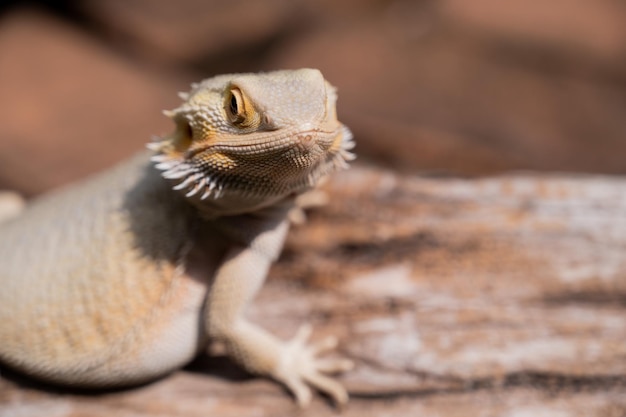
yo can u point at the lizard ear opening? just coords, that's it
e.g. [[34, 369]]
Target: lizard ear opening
[[176, 143], [183, 135]]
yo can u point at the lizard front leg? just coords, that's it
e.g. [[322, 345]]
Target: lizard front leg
[[293, 363]]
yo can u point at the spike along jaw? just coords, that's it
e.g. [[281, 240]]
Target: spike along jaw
[[243, 141]]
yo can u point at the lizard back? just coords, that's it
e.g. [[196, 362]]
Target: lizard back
[[82, 268]]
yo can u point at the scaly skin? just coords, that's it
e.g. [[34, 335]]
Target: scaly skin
[[127, 275]]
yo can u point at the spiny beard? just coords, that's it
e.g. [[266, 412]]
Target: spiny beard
[[193, 179]]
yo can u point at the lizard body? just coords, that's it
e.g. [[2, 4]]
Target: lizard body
[[126, 276]]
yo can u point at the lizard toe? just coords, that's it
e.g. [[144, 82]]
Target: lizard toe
[[300, 368]]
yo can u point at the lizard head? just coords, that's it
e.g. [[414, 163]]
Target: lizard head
[[253, 138]]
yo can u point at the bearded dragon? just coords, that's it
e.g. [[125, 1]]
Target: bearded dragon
[[128, 275]]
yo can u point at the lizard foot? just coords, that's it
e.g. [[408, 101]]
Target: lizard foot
[[300, 367]]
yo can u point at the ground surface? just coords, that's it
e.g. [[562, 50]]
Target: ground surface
[[460, 285], [499, 297]]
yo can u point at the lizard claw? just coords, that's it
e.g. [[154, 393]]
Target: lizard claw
[[299, 367]]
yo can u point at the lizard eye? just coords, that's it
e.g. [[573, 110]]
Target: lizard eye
[[240, 110], [236, 107]]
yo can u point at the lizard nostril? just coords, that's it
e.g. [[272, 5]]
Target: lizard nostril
[[306, 141]]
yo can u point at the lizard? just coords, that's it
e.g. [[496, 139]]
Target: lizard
[[128, 275]]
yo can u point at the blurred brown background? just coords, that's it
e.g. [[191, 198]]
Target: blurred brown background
[[442, 87]]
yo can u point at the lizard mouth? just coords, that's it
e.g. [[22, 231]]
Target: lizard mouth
[[274, 167]]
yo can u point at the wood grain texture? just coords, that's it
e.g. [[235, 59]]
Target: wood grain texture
[[498, 296]]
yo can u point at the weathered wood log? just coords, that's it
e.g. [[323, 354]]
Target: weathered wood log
[[495, 296]]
